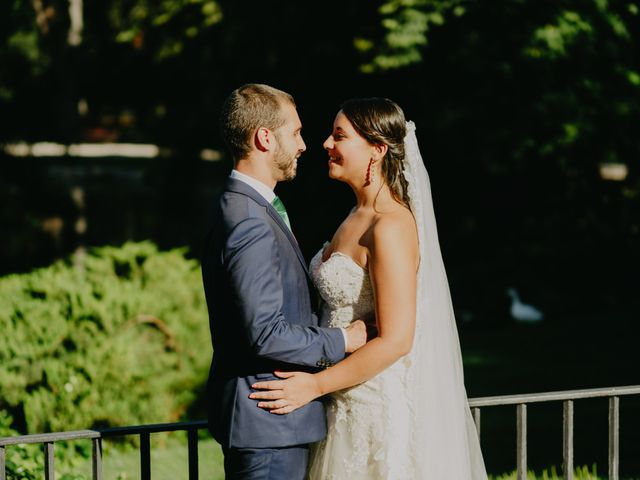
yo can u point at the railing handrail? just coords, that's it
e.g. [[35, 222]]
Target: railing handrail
[[153, 428], [521, 402], [49, 437], [494, 401], [104, 433], [478, 402]]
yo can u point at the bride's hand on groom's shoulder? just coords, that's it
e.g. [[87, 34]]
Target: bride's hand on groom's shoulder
[[284, 396]]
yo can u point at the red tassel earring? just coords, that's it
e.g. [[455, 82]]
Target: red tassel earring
[[370, 178]]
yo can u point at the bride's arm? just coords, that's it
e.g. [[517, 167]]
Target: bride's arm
[[393, 260]]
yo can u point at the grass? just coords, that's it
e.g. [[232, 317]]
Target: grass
[[169, 460], [580, 473]]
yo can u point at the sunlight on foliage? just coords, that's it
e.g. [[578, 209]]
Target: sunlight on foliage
[[407, 24], [26, 462], [554, 40], [26, 44], [172, 22], [580, 473], [124, 342]]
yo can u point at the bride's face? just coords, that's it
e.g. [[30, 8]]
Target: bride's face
[[349, 153]]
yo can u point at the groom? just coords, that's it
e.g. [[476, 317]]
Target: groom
[[257, 289]]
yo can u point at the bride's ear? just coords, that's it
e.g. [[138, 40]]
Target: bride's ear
[[379, 151], [264, 139]]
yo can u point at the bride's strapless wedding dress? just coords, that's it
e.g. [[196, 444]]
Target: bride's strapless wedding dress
[[369, 426], [412, 421]]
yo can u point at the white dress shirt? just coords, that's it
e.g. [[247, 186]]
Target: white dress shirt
[[266, 192]]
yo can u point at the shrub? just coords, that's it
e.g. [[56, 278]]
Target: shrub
[[122, 340]]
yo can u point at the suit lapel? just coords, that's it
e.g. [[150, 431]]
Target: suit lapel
[[237, 186]]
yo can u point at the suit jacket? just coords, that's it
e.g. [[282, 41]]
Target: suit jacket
[[257, 289]]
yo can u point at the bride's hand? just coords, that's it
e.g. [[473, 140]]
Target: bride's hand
[[285, 396]]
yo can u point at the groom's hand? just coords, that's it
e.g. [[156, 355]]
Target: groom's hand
[[284, 396], [356, 335]]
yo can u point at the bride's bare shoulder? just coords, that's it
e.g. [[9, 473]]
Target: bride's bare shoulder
[[395, 229], [400, 218]]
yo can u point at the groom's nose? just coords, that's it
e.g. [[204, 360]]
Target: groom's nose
[[301, 145]]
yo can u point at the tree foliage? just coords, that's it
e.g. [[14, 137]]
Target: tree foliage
[[531, 97], [169, 24], [406, 25]]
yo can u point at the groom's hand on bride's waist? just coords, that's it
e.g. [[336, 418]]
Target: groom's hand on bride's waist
[[295, 390], [356, 335]]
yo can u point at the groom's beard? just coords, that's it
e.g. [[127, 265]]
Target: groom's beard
[[285, 163]]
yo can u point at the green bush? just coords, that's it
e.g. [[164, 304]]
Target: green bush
[[121, 340], [580, 473], [26, 462]]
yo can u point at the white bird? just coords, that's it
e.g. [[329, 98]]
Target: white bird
[[522, 312]]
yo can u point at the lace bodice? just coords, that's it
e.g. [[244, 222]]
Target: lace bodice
[[345, 288]]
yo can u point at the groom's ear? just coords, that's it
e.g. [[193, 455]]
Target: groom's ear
[[264, 139]]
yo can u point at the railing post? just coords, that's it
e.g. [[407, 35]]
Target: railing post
[[193, 453], [145, 456], [3, 463], [614, 441], [522, 441], [96, 458], [476, 420], [567, 439], [49, 461]]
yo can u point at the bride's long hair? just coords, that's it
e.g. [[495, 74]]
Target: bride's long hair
[[381, 121]]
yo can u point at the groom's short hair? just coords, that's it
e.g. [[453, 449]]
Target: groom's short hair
[[248, 108]]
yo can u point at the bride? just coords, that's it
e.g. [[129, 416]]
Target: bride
[[397, 408]]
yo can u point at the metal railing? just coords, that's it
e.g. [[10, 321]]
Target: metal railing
[[520, 401], [567, 397], [144, 431]]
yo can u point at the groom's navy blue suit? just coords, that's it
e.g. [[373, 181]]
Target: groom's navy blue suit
[[257, 289]]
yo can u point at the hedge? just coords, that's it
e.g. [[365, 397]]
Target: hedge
[[120, 339]]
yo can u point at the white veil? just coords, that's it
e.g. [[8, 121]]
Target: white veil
[[445, 439]]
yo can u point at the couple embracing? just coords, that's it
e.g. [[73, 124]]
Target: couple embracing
[[294, 396]]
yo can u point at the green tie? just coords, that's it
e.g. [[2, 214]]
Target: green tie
[[279, 206]]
